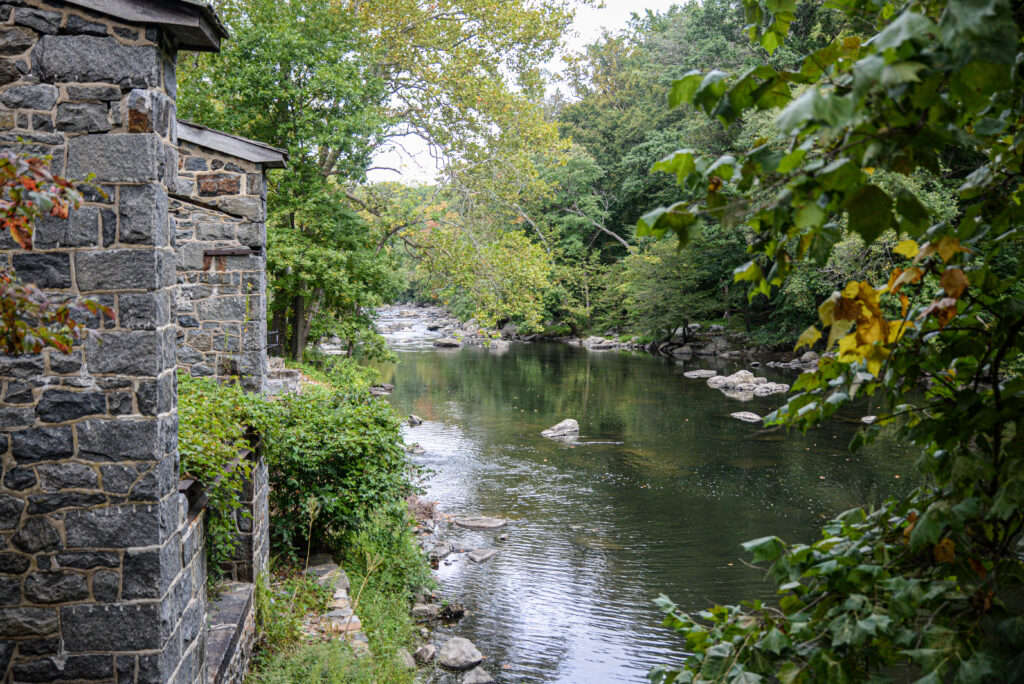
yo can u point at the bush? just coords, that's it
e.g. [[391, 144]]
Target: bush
[[334, 455], [213, 420]]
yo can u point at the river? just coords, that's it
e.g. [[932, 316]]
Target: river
[[657, 500]]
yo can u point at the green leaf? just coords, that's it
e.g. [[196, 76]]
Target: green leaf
[[908, 26], [870, 212], [774, 641], [684, 89], [749, 271], [765, 549]]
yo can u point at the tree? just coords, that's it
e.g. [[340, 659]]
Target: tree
[[301, 75], [925, 586]]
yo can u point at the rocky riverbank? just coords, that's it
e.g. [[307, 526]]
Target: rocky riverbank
[[433, 325]]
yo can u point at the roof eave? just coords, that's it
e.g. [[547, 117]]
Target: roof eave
[[233, 145], [193, 23]]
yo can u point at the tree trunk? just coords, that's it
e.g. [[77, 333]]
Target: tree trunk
[[300, 330], [279, 324]]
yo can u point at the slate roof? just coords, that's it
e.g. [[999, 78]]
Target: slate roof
[[192, 22], [233, 145]]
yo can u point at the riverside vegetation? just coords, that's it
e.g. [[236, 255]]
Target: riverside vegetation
[[851, 179], [339, 479]]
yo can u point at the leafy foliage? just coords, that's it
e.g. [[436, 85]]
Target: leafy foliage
[[334, 455], [29, 319], [213, 429], [929, 583]]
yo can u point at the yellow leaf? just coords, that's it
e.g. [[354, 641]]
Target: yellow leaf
[[948, 247], [827, 308], [848, 349], [808, 338], [907, 248], [851, 290], [838, 330], [945, 551], [954, 282]]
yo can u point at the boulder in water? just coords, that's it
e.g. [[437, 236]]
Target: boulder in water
[[482, 555], [480, 523], [746, 416], [459, 654], [702, 374], [498, 346], [425, 653], [567, 429], [478, 675], [415, 420], [447, 343]]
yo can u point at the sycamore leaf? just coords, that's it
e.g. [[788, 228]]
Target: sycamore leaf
[[954, 282], [808, 338], [684, 89], [907, 248]]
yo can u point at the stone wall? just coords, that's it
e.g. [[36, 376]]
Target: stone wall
[[252, 525], [220, 238], [102, 576]]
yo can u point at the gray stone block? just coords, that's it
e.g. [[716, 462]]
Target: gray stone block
[[231, 308], [8, 72], [68, 475], [65, 363], [18, 479], [124, 157], [80, 229], [148, 574], [40, 20], [128, 353], [143, 215], [132, 627], [101, 93], [74, 668], [59, 406], [78, 25], [85, 560], [25, 621], [246, 207], [106, 586], [118, 439], [42, 444], [118, 269], [56, 587], [38, 96], [21, 366], [51, 271], [14, 563], [15, 416], [48, 503], [85, 59], [145, 311], [14, 41], [10, 511], [115, 527], [118, 479], [82, 117], [37, 534]]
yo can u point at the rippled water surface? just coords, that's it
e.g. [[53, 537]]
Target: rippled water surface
[[657, 502]]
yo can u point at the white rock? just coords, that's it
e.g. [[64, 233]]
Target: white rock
[[567, 428], [480, 523], [482, 555], [415, 420], [425, 653], [478, 675], [868, 420], [699, 374], [405, 659], [459, 654], [746, 416]]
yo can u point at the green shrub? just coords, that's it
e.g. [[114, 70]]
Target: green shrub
[[212, 423], [280, 609], [335, 455]]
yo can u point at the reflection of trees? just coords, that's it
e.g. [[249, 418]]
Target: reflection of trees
[[684, 488]]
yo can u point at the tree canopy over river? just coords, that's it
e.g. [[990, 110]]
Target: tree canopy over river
[[845, 175]]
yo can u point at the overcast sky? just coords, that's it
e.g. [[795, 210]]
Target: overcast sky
[[417, 166]]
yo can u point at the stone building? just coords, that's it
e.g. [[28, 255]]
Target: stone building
[[102, 570]]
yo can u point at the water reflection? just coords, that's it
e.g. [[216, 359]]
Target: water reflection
[[598, 530]]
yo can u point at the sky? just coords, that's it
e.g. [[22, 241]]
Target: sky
[[415, 163]]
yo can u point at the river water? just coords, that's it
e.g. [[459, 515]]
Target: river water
[[656, 500]]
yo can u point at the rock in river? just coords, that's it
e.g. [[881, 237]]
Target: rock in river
[[481, 523], [447, 343], [482, 555], [459, 654], [699, 374], [425, 653], [415, 420], [567, 429], [478, 675], [746, 416]]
